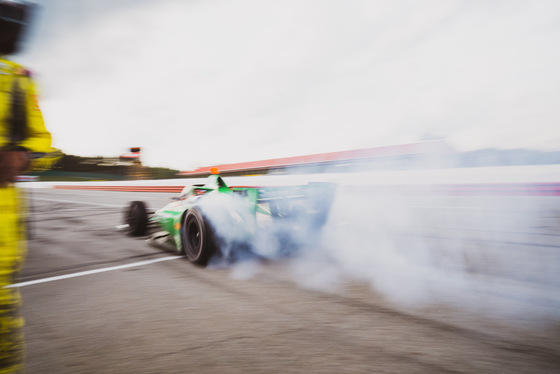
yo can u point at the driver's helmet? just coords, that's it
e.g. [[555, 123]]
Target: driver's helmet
[[193, 188], [186, 190], [14, 17]]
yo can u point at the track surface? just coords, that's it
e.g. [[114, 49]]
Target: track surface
[[172, 317]]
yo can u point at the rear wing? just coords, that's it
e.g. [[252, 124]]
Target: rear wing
[[313, 200]]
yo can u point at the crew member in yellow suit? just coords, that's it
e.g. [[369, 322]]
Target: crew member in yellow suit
[[23, 142]]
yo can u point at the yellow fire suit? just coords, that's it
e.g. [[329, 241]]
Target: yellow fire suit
[[36, 140]]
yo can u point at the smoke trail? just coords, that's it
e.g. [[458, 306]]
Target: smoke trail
[[421, 247], [420, 244]]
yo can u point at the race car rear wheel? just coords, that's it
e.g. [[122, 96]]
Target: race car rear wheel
[[136, 217], [197, 237]]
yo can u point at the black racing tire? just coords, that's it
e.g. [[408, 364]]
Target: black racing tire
[[197, 237], [136, 217]]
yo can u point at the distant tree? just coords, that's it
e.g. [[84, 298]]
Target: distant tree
[[102, 165]]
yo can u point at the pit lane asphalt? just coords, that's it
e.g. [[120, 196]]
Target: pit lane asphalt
[[172, 317]]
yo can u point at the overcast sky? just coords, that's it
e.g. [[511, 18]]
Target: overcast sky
[[196, 83]]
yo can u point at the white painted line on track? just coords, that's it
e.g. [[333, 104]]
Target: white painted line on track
[[82, 273], [62, 211], [78, 202]]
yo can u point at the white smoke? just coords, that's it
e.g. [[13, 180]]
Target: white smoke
[[293, 221], [422, 248], [419, 245]]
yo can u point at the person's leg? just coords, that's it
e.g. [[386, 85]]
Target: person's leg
[[12, 249]]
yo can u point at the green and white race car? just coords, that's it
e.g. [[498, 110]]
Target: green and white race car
[[214, 219]]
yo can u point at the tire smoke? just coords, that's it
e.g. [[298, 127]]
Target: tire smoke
[[423, 245]]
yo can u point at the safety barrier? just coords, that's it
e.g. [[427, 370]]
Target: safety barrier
[[170, 189], [482, 189]]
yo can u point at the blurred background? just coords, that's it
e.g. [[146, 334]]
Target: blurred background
[[197, 83], [436, 119]]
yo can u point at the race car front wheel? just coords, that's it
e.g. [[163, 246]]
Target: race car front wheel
[[136, 217], [197, 237]]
